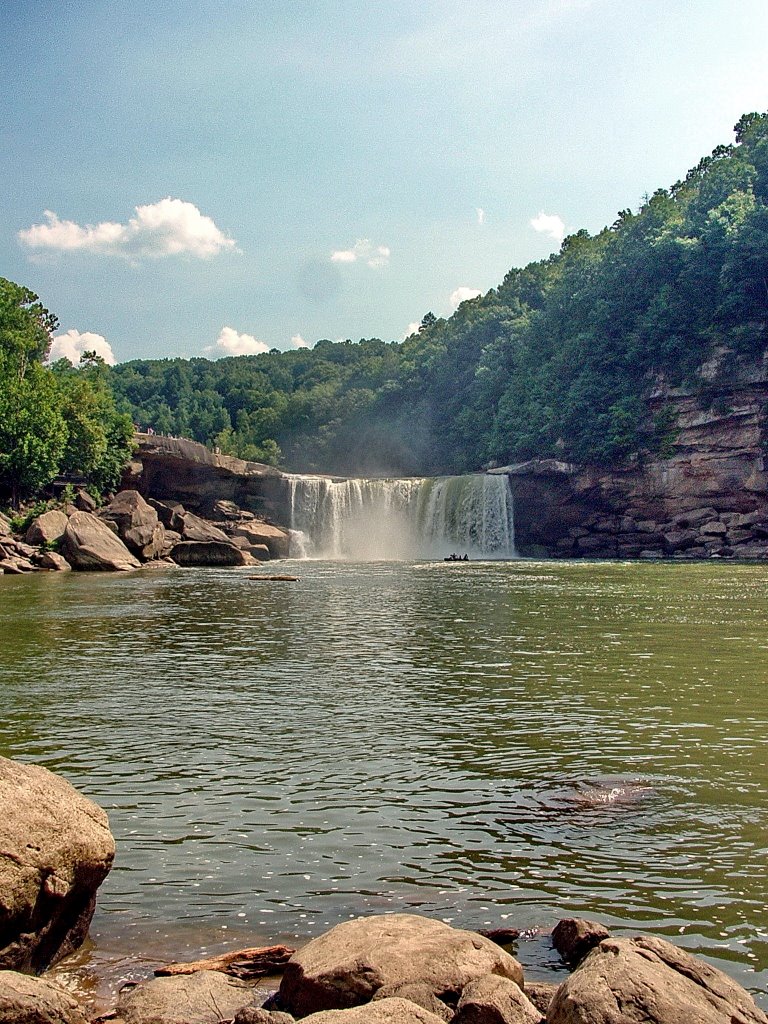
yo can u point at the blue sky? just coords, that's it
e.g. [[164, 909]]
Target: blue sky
[[227, 175]]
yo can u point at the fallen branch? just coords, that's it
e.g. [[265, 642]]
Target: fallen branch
[[285, 579], [245, 964]]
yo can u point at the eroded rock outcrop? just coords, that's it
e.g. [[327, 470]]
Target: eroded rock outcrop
[[647, 979], [55, 850], [346, 966], [47, 528]]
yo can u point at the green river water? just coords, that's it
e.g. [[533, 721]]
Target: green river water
[[492, 744]]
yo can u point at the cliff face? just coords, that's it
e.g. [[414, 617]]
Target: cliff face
[[175, 468], [710, 497]]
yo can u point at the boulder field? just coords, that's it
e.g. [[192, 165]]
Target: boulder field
[[130, 532], [56, 848]]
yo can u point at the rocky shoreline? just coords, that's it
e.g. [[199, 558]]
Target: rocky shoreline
[[387, 969], [130, 531]]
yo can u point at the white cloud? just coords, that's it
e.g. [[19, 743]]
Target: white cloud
[[480, 214], [462, 294], [230, 343], [411, 329], [298, 342], [364, 251], [170, 227], [549, 224], [72, 345]]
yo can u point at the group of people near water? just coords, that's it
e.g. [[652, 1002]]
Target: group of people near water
[[457, 558]]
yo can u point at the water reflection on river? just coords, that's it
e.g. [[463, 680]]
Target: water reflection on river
[[497, 743]]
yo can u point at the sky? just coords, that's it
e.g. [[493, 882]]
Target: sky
[[219, 177]]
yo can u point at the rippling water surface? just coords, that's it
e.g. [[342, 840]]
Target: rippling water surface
[[490, 744]]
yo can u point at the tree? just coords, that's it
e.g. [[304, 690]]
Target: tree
[[33, 431]]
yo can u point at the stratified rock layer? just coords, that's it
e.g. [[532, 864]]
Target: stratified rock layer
[[55, 850]]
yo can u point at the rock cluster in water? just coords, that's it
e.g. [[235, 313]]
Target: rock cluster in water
[[389, 969], [698, 533], [130, 532]]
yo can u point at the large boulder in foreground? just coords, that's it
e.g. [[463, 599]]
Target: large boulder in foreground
[[55, 850], [392, 1010], [347, 965], [25, 1000], [136, 523], [202, 998], [89, 544], [648, 979]]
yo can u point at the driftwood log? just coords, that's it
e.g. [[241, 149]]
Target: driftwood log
[[245, 964], [280, 578]]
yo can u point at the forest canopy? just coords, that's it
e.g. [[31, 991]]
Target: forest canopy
[[558, 361]]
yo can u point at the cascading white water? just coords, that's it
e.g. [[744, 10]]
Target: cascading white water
[[428, 517]]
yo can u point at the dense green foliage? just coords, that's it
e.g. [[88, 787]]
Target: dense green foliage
[[559, 360], [52, 420]]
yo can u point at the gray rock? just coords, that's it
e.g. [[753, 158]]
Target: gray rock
[[89, 544], [347, 965], [495, 1000], [205, 997], [57, 849], [25, 1000], [47, 528], [417, 993], [5, 526], [214, 552], [715, 528], [648, 979], [385, 1011], [574, 937]]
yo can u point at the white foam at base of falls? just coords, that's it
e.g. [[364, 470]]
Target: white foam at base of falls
[[430, 517]]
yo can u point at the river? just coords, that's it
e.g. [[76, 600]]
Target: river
[[489, 743]]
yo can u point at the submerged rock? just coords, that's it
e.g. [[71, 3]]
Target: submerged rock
[[56, 850], [346, 966], [574, 937], [648, 979]]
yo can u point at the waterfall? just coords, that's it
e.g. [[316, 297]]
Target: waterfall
[[399, 519]]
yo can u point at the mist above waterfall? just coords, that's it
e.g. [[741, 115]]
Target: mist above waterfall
[[371, 520]]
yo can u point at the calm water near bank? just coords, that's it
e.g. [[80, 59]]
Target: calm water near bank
[[491, 744]]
